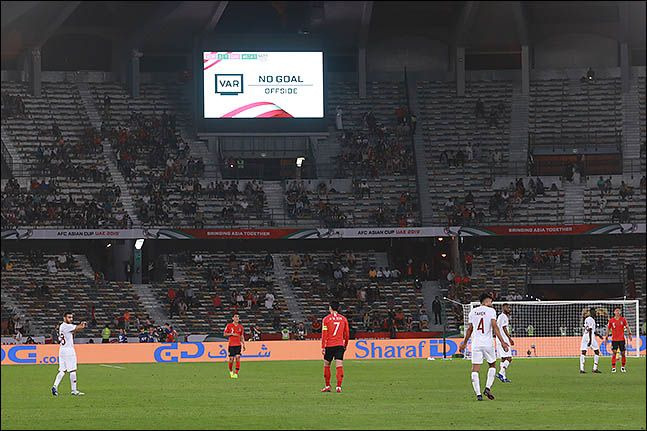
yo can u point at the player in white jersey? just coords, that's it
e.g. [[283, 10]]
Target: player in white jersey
[[66, 352], [482, 321], [590, 342], [503, 321]]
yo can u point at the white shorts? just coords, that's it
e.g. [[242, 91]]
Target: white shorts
[[500, 353], [67, 361], [585, 343], [480, 352]]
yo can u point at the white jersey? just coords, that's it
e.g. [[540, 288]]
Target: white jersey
[[66, 338], [501, 322], [589, 323], [481, 319]]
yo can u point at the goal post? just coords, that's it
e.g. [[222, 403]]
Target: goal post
[[555, 328]]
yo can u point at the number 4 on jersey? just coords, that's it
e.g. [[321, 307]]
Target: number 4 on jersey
[[480, 326]]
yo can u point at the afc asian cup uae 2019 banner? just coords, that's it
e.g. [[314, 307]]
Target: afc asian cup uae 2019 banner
[[115, 353], [314, 234], [255, 84]]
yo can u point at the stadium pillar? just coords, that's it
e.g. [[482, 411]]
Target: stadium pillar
[[460, 71], [35, 75], [625, 67], [137, 267], [134, 73], [361, 72], [455, 256], [525, 69]]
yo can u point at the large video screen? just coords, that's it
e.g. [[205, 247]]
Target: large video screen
[[261, 85]]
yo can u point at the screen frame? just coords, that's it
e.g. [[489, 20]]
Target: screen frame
[[261, 43]]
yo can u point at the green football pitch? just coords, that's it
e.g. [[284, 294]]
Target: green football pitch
[[392, 394]]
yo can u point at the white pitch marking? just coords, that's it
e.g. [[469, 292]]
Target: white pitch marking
[[112, 366]]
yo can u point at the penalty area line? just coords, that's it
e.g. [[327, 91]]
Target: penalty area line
[[112, 366]]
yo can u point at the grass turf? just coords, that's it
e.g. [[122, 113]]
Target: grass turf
[[403, 394]]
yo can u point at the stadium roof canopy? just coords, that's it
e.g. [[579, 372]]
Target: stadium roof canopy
[[170, 26]]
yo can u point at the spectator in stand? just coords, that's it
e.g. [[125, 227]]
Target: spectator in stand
[[338, 119], [479, 110], [217, 302], [468, 262], [269, 261], [269, 301], [643, 185], [143, 335], [625, 217], [615, 216], [436, 309], [152, 336], [171, 294], [189, 296], [51, 266], [122, 338], [423, 318], [626, 191], [171, 334], [601, 185], [450, 277], [105, 334]]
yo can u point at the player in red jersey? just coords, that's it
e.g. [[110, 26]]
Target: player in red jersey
[[616, 327], [236, 334], [335, 334]]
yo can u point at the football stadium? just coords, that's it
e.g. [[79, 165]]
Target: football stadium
[[323, 215]]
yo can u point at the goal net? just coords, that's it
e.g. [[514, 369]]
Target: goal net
[[555, 328]]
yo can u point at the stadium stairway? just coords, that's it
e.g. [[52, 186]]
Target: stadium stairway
[[327, 150], [422, 171], [10, 303], [88, 103], [16, 160], [518, 132], [631, 130], [429, 291], [382, 260], [84, 265], [573, 202], [274, 194], [576, 263], [153, 307], [86, 100], [118, 178], [200, 150], [283, 286]]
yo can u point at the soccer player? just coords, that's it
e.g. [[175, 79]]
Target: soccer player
[[236, 334], [617, 325], [589, 342], [506, 357], [66, 352], [335, 334], [482, 320]]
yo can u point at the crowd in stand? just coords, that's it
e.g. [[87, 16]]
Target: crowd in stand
[[12, 105], [379, 152], [626, 193], [298, 204], [256, 278], [495, 114], [336, 279], [56, 159], [43, 204], [536, 258], [501, 206], [377, 149]]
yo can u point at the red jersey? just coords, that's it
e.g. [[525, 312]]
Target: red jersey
[[238, 330], [334, 331], [617, 327]]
